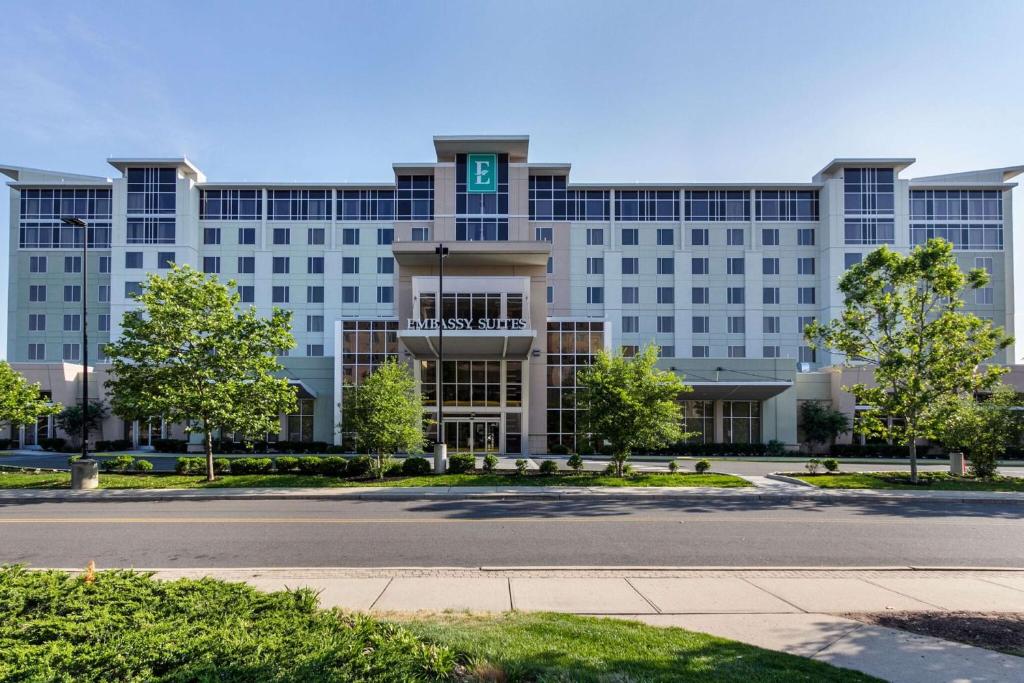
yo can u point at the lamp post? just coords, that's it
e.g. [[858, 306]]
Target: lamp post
[[441, 445], [79, 223]]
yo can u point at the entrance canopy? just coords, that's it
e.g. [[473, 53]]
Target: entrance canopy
[[736, 391], [469, 344]]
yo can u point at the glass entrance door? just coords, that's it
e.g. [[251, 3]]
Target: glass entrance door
[[479, 435]]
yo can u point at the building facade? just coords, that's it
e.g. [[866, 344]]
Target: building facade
[[540, 274]]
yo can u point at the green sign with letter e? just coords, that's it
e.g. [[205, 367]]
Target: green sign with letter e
[[481, 173]]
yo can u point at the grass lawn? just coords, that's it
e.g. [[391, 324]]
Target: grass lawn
[[56, 480], [929, 481], [124, 626]]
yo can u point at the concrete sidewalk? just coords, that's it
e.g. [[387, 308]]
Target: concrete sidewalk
[[794, 611], [766, 490]]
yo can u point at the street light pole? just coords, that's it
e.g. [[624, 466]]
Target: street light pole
[[441, 445], [79, 223]]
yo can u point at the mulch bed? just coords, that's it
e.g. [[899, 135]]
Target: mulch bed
[[999, 631]]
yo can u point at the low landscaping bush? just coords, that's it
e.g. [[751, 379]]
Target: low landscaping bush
[[286, 463], [559, 449], [170, 445], [521, 467], [460, 463], [392, 468], [490, 463], [673, 466], [702, 466], [120, 463], [220, 465], [334, 466], [812, 466], [575, 462], [882, 450], [252, 466], [310, 464], [143, 466], [549, 467], [190, 465], [57, 445], [610, 470], [113, 445], [332, 448], [830, 464], [415, 467], [359, 466]]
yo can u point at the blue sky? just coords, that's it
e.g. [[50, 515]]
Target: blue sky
[[648, 91]]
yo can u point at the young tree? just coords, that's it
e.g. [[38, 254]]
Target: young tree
[[190, 355], [982, 428], [385, 412], [70, 419], [821, 423], [902, 316], [630, 403], [20, 402]]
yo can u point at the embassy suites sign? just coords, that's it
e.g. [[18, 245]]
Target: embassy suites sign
[[467, 324]]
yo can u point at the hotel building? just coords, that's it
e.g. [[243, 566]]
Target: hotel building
[[541, 273]]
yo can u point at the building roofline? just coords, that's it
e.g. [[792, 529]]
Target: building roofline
[[15, 172], [899, 163], [122, 163], [273, 185]]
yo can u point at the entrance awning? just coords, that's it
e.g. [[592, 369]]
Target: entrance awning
[[735, 391], [469, 344]]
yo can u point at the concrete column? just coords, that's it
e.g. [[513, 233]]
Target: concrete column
[[719, 423]]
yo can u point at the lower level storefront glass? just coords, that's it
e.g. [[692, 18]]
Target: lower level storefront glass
[[300, 423], [699, 420], [741, 421]]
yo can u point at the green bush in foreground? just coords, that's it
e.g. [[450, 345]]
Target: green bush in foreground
[[549, 467], [702, 466], [460, 463], [127, 627], [416, 466]]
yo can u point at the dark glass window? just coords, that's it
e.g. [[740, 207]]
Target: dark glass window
[[869, 190], [550, 200], [295, 205], [647, 205], [787, 205], [215, 205], [484, 203], [717, 205]]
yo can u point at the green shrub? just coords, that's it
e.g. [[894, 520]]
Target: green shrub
[[359, 466], [220, 465], [190, 466], [393, 468], [460, 463], [119, 463], [609, 469], [627, 470], [286, 463], [521, 466], [310, 464], [126, 626], [490, 462], [702, 466], [673, 466], [775, 448], [812, 466], [559, 449], [252, 466], [549, 467], [170, 445], [334, 466], [575, 462], [415, 467], [831, 464], [143, 466]]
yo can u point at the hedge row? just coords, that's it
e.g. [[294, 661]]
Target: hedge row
[[333, 466], [238, 447]]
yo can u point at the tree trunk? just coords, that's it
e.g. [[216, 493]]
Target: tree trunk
[[208, 445], [913, 461]]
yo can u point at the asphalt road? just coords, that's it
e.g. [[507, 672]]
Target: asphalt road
[[358, 533]]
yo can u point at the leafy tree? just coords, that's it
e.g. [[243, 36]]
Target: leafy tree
[[385, 412], [20, 402], [821, 423], [902, 316], [630, 403], [190, 355], [983, 429], [70, 419]]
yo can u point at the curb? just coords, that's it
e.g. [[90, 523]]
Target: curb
[[804, 494], [789, 480]]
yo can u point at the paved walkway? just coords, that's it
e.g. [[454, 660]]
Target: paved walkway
[[794, 611]]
